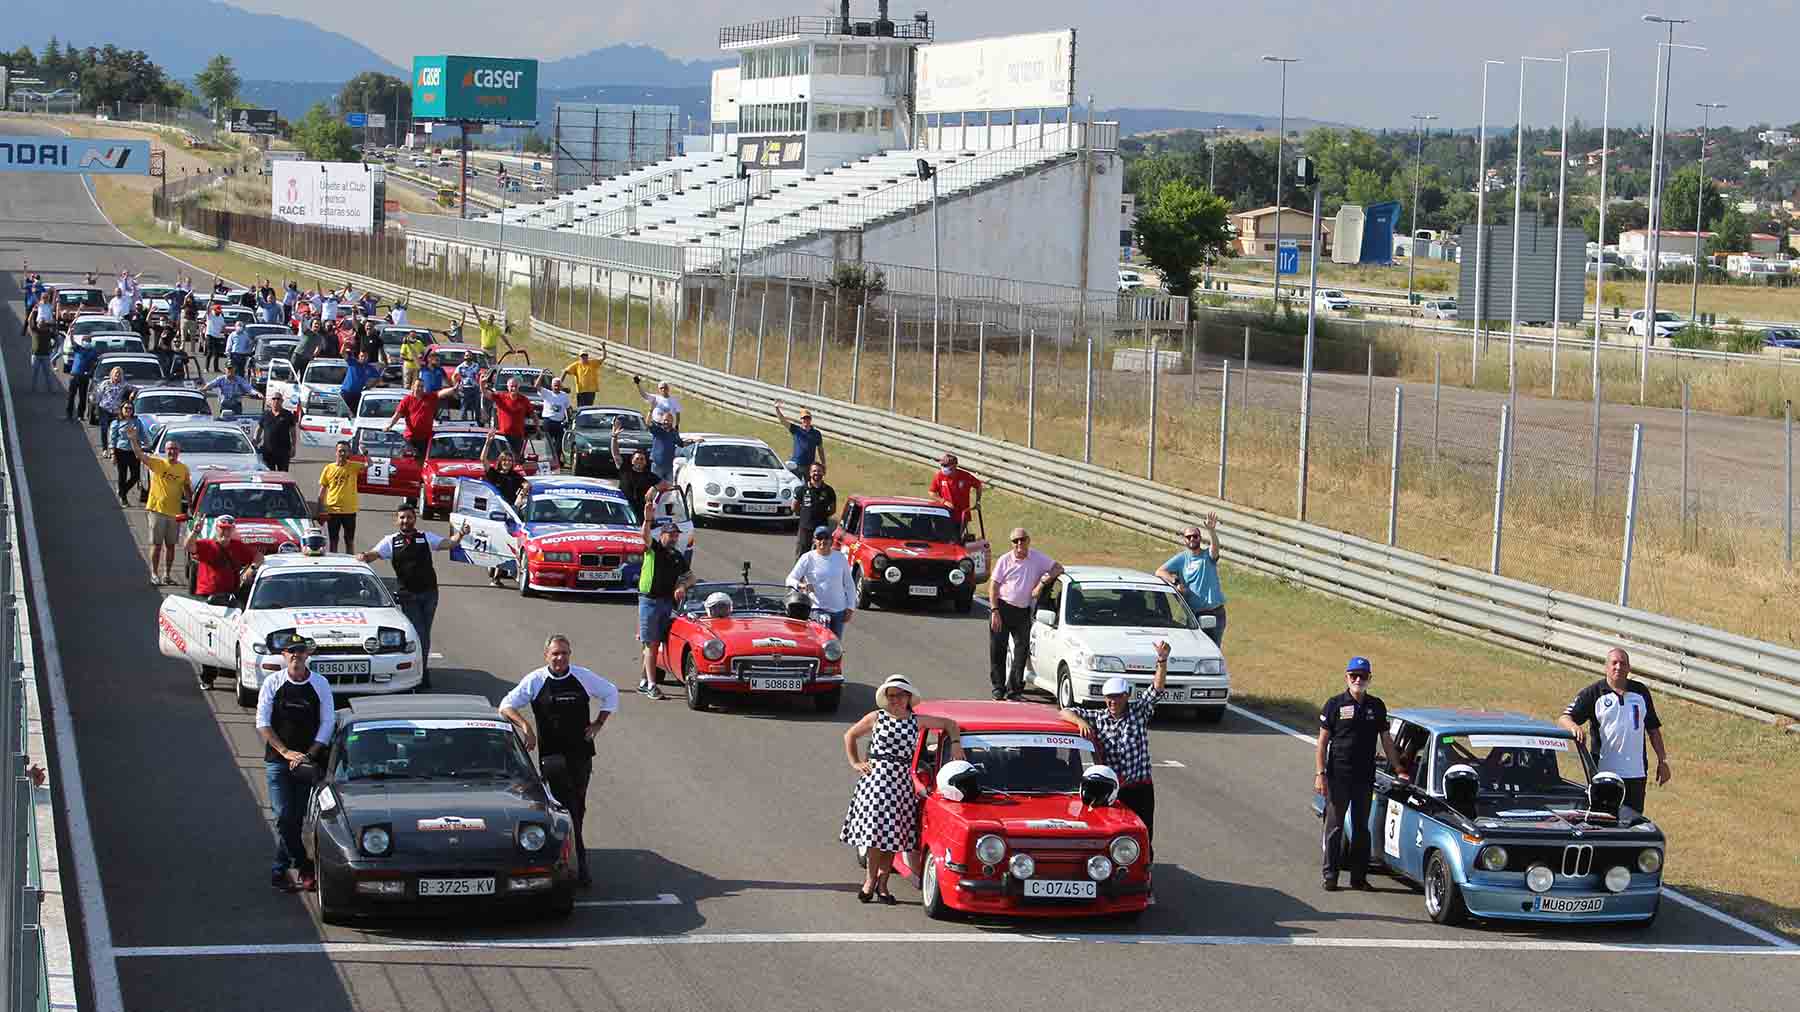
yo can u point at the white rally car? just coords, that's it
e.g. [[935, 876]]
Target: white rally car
[[1101, 621], [735, 478], [322, 374], [363, 642], [324, 419]]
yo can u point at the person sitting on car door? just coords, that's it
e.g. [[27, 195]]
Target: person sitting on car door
[[224, 562]]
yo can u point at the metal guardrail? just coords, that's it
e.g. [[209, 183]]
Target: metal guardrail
[[1695, 662], [22, 951]]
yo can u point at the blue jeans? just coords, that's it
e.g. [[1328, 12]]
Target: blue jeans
[[655, 616], [469, 399], [287, 797], [420, 609], [833, 620], [40, 366]]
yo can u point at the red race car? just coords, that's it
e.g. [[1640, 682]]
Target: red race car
[[450, 356], [903, 548], [758, 648], [1026, 827], [270, 508], [454, 452]]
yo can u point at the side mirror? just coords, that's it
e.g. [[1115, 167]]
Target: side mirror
[[1045, 617], [1209, 621]]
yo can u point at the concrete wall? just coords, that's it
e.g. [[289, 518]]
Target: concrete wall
[[1027, 228]]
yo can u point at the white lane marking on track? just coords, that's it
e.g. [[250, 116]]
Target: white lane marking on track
[[661, 900], [94, 922], [1173, 764], [946, 938], [1273, 725]]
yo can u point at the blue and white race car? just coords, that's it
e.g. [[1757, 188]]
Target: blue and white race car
[[565, 534]]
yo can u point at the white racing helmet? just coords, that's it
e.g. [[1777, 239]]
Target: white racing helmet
[[312, 539], [1099, 786], [718, 604], [958, 781]]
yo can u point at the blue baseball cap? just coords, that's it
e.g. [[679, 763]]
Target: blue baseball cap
[[1358, 665], [822, 531]]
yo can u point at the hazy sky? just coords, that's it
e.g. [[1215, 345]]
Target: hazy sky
[[1369, 62]]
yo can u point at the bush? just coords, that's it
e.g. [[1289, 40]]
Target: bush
[[1692, 339], [1431, 283], [1743, 342]]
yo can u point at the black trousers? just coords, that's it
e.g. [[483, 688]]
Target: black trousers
[[340, 523], [1015, 624], [803, 535], [129, 470], [1347, 796], [1141, 799], [1634, 792], [571, 790], [277, 461], [78, 393]]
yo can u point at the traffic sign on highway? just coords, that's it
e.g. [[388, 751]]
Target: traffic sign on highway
[[1287, 258], [356, 119]]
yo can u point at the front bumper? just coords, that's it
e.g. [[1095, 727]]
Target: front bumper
[[565, 577], [924, 584], [1637, 903], [720, 679], [1178, 690], [339, 881], [1005, 895], [745, 509], [388, 673]]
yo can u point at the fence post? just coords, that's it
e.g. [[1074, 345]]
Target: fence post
[[819, 377], [1031, 393], [1150, 443], [1224, 421], [1594, 438], [762, 312], [856, 357], [1787, 482], [674, 320], [1684, 463], [1192, 341], [893, 354], [981, 372], [700, 330], [1631, 502], [1500, 488], [1437, 394], [787, 357], [934, 374], [628, 322], [1369, 411], [1394, 475], [1087, 422], [731, 335]]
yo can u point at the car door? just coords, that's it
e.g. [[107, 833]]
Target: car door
[[1045, 651], [1396, 824], [845, 538], [494, 528], [197, 631]]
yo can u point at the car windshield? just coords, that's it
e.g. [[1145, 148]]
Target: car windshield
[[527, 378], [116, 342], [746, 598], [136, 370], [1028, 763], [319, 588], [171, 404], [1128, 606], [209, 441], [909, 525], [96, 324], [433, 750], [258, 500], [451, 356], [629, 421], [377, 407], [327, 405], [377, 443], [326, 375], [81, 297], [735, 455], [1514, 765], [269, 349], [563, 508], [465, 445], [262, 330]]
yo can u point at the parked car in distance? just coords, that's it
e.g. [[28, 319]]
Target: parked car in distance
[[1332, 299], [1667, 324], [1782, 337], [1439, 309]]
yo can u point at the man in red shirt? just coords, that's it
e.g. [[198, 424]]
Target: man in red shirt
[[952, 486], [419, 410], [220, 562], [510, 411]]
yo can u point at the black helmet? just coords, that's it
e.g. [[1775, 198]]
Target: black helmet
[[1099, 786], [798, 605]]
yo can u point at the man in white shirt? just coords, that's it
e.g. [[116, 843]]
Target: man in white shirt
[[554, 415], [294, 718], [1622, 715], [399, 314], [116, 307], [663, 405], [824, 575], [329, 309]]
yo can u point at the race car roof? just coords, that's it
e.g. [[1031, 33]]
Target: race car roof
[[590, 486], [414, 707], [1449, 720], [264, 477], [276, 563], [1112, 574]]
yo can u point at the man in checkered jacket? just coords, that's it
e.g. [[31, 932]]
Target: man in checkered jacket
[[1123, 730]]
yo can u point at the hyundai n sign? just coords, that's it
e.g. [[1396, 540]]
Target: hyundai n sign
[[74, 155], [336, 194], [480, 89]]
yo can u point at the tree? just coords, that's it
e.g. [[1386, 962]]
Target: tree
[[219, 82], [323, 136], [1679, 196], [1619, 218], [1733, 233], [535, 144], [1181, 228]]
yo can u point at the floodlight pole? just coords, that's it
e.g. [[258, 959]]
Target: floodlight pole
[[1700, 206], [1412, 251], [1280, 142]]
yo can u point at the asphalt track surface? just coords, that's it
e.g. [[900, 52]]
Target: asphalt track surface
[[719, 880]]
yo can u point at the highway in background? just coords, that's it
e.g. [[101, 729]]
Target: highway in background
[[719, 880]]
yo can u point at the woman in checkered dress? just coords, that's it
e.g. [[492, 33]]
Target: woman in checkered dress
[[884, 812]]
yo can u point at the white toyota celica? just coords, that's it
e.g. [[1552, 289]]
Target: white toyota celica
[[363, 643], [733, 477]]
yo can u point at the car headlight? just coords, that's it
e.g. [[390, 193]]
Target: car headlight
[[1103, 662], [1493, 858], [712, 488], [957, 576], [967, 565], [1099, 867], [1022, 866], [371, 644], [532, 836], [278, 636], [559, 556], [834, 651], [376, 841], [731, 492], [1617, 878], [990, 849], [1539, 878], [389, 638], [786, 493], [1125, 850], [878, 563], [1650, 860], [714, 650], [1211, 666], [891, 574]]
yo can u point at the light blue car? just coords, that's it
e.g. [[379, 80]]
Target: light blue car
[[1504, 818]]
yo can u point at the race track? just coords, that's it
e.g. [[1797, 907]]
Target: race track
[[719, 881]]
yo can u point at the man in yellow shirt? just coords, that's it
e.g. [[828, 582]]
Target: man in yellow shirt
[[411, 350], [585, 371], [337, 498], [169, 489]]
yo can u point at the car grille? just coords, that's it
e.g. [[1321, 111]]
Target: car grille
[[341, 650], [349, 679], [594, 559], [751, 493], [921, 570], [779, 667], [1577, 860]]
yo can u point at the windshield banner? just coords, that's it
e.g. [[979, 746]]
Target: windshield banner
[[1519, 741], [434, 725], [1026, 741]]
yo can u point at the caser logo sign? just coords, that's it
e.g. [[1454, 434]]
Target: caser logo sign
[[502, 80], [431, 77]]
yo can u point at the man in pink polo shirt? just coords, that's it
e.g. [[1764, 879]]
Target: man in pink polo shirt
[[1018, 578]]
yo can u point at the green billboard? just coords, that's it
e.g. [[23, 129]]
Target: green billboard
[[483, 89]]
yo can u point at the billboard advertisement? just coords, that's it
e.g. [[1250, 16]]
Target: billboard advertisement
[[74, 155], [252, 121], [785, 152], [485, 89], [337, 194], [725, 85], [1034, 71]]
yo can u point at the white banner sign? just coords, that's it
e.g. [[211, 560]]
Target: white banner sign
[[338, 194], [378, 120], [725, 86], [1012, 72]]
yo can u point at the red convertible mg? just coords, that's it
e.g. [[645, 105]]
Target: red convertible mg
[[1025, 841], [454, 452], [753, 646]]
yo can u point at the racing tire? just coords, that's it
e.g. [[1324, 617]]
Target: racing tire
[[1443, 898], [1065, 689], [328, 913], [524, 579], [865, 595], [246, 698], [828, 702], [687, 503], [933, 893], [690, 680]]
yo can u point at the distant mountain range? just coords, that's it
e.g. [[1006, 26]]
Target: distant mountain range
[[1139, 121]]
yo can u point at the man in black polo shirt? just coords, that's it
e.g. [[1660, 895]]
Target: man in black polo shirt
[[559, 694], [1622, 714], [663, 581], [294, 716], [814, 504], [1349, 725], [409, 549]]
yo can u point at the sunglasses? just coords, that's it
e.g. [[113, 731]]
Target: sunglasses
[[1360, 677], [1020, 541]]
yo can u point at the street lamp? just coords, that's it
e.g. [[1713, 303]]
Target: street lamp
[[1480, 222], [1659, 115], [1600, 236], [1512, 325], [1700, 204], [1412, 241], [1280, 140], [1212, 161], [1562, 187]]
